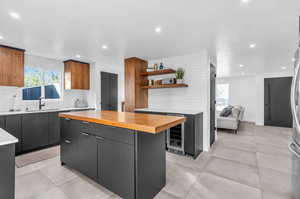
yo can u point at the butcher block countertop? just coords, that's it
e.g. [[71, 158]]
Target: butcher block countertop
[[149, 123]]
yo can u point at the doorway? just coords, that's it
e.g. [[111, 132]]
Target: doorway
[[212, 103], [277, 110], [109, 91]]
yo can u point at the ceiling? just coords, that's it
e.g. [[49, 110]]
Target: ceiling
[[63, 28]]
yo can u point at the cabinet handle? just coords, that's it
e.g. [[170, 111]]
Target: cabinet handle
[[67, 119], [99, 138], [85, 134], [85, 122], [67, 141]]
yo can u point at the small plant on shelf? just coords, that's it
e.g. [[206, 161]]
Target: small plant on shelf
[[179, 75]]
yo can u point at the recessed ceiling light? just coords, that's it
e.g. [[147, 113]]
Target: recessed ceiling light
[[158, 29], [104, 47], [252, 45], [293, 59], [1, 37], [241, 65], [283, 68], [246, 1], [243, 73], [14, 15], [77, 56]]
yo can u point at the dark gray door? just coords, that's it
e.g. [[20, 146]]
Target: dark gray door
[[277, 102], [109, 91], [212, 103]]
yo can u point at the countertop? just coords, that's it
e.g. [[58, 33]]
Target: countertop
[[42, 111], [149, 123], [170, 110], [6, 138]]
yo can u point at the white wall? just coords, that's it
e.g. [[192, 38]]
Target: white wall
[[117, 67], [248, 91], [242, 91], [195, 96], [68, 96]]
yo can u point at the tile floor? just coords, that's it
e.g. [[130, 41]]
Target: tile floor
[[255, 164]]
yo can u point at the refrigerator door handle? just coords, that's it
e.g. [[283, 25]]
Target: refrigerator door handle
[[293, 149], [293, 100]]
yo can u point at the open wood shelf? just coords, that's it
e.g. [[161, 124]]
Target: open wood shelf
[[159, 72], [166, 86]]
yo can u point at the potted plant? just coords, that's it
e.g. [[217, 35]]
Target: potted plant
[[179, 75]]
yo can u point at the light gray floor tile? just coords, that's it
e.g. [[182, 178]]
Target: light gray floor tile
[[244, 157], [30, 168], [276, 182], [272, 195], [273, 150], [275, 162], [179, 180], [58, 174], [209, 186], [165, 195], [54, 193], [241, 173], [32, 184], [81, 189]]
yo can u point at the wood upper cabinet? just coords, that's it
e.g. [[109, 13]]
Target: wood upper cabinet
[[77, 75], [11, 66], [135, 95]]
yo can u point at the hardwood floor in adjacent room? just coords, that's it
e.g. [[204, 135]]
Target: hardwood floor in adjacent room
[[254, 164]]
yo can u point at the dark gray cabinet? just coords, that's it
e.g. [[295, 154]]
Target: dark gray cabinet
[[193, 132], [35, 131], [53, 128], [7, 171], [2, 122], [69, 142], [116, 164], [14, 127], [87, 151]]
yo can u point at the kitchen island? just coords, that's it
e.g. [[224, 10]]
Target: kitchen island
[[124, 152]]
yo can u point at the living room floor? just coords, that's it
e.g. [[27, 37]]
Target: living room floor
[[254, 164]]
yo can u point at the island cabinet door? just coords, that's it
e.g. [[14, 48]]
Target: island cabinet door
[[87, 151], [2, 122], [69, 138], [116, 167]]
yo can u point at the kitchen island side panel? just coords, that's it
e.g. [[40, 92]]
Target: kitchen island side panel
[[150, 164], [7, 171]]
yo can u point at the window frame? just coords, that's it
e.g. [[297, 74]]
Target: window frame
[[44, 70]]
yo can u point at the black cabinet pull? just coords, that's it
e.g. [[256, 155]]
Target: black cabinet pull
[[99, 138], [68, 141], [85, 134]]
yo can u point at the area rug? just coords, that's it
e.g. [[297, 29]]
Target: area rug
[[37, 156]]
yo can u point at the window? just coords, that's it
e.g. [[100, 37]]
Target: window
[[41, 83], [222, 97]]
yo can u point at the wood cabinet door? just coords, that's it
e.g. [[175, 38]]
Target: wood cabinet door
[[11, 67], [77, 75]]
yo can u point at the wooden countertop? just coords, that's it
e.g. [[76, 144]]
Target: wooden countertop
[[136, 121]]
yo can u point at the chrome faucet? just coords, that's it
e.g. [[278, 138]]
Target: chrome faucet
[[41, 104]]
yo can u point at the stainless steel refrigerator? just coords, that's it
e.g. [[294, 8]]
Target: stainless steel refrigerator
[[294, 144]]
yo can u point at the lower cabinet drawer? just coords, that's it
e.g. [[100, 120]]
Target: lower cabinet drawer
[[108, 132]]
